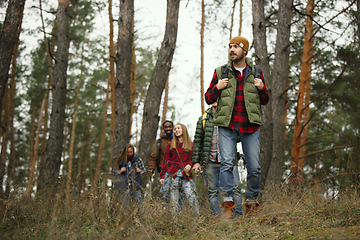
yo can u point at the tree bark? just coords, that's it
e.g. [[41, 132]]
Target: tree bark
[[232, 18], [308, 54], [132, 79], [158, 81], [84, 155], [9, 121], [358, 17], [49, 171], [72, 139], [240, 17], [166, 99], [122, 85], [202, 27], [8, 39], [31, 168], [112, 89], [279, 83], [5, 139], [262, 60], [49, 54], [102, 141]]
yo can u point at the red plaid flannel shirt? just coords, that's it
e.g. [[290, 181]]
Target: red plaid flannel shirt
[[173, 161], [239, 114]]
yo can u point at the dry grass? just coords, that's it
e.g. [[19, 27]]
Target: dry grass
[[282, 216]]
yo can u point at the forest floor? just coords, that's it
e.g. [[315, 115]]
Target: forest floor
[[282, 216]]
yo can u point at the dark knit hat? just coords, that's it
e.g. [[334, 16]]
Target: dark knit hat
[[166, 122], [241, 41]]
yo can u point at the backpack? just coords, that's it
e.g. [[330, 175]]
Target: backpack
[[158, 147], [225, 71]]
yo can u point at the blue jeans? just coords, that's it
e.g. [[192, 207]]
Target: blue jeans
[[251, 148], [188, 186], [165, 191], [212, 179], [131, 194]]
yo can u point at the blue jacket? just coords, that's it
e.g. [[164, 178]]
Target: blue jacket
[[130, 177]]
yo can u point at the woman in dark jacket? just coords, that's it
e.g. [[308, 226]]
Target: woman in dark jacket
[[129, 167]]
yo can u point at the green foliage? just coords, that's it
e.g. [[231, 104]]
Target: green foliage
[[334, 103]]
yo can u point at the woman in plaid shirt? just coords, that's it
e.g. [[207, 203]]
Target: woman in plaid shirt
[[177, 164]]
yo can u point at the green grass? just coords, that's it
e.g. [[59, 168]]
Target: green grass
[[282, 216]]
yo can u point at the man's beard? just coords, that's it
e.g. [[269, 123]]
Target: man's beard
[[238, 58]]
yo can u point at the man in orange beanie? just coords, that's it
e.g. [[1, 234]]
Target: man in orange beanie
[[238, 114]]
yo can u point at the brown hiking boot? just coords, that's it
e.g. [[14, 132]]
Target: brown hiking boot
[[252, 208], [228, 210]]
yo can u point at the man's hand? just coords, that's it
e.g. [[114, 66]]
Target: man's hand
[[197, 167], [151, 171], [162, 181], [222, 83], [123, 169], [258, 83], [137, 170], [187, 169]]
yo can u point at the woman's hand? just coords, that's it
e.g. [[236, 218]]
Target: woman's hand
[[187, 169], [197, 168], [137, 170], [123, 169], [161, 181]]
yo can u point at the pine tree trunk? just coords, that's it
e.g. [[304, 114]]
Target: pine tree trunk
[[202, 30], [49, 53], [123, 76], [112, 90], [82, 162], [132, 79], [279, 83], [31, 170], [232, 17], [50, 169], [240, 17], [158, 81], [72, 140], [8, 39], [166, 99], [10, 109], [5, 139], [102, 141], [358, 17], [308, 47], [262, 60], [11, 94]]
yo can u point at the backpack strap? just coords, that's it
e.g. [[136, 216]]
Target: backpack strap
[[204, 117], [257, 74], [257, 71], [159, 147], [224, 71]]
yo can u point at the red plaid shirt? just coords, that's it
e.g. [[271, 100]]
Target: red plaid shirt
[[175, 160], [239, 114]]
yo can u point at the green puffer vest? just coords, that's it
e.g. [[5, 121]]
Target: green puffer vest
[[225, 106], [202, 139]]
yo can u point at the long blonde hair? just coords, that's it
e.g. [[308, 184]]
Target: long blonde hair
[[123, 155], [186, 140]]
